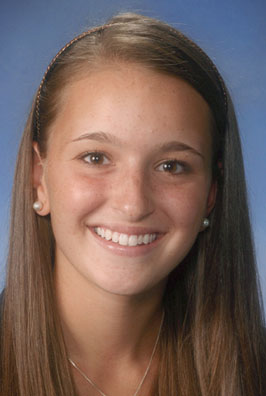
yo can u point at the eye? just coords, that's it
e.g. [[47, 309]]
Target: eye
[[95, 158], [171, 166]]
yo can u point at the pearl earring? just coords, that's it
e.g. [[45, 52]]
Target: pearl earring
[[37, 206], [205, 222]]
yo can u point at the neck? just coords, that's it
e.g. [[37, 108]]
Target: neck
[[103, 329]]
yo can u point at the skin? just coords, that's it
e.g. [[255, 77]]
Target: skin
[[109, 297]]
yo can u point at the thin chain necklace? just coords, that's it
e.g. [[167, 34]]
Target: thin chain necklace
[[144, 376]]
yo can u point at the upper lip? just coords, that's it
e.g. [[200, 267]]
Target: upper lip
[[129, 230]]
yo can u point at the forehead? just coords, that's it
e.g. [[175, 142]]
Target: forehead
[[131, 100]]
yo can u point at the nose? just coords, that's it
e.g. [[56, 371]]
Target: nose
[[132, 196]]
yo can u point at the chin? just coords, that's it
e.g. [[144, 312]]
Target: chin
[[131, 287]]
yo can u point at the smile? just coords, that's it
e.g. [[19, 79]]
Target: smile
[[125, 239]]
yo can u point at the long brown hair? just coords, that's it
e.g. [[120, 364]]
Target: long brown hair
[[212, 342]]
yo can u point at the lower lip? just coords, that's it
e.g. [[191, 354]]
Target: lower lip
[[129, 251]]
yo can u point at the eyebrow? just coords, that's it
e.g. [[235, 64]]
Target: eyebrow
[[104, 137], [178, 146], [99, 137]]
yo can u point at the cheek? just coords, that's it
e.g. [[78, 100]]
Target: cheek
[[185, 204], [72, 198]]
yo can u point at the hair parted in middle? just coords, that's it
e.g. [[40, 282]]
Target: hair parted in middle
[[211, 301]]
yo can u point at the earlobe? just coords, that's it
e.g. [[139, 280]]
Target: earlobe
[[38, 181], [210, 205]]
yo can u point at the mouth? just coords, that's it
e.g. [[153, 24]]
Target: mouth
[[125, 239], [128, 241]]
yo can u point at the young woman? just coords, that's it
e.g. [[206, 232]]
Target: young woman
[[131, 268]]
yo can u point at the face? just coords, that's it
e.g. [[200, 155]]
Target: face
[[127, 177]]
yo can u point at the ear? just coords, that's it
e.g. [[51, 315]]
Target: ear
[[211, 197], [39, 184]]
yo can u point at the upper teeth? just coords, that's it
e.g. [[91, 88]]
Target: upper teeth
[[124, 239]]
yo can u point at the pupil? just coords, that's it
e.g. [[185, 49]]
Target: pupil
[[168, 166], [96, 158]]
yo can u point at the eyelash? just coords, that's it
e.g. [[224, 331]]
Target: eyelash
[[165, 164]]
